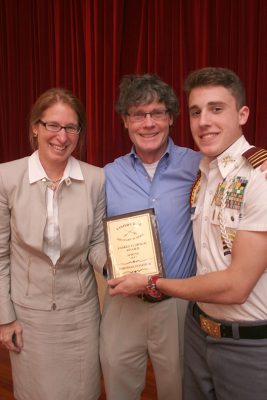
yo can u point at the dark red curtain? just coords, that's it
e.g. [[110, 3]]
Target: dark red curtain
[[87, 45]]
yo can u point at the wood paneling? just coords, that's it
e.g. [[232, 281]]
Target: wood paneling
[[6, 380]]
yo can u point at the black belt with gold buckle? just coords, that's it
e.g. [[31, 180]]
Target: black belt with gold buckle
[[232, 330]]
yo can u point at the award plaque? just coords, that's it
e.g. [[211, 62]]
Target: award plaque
[[132, 244]]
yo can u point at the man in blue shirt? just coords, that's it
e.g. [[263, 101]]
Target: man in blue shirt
[[155, 174]]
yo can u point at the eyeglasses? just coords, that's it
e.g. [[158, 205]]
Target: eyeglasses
[[54, 127], [140, 116]]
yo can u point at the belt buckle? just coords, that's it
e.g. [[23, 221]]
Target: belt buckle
[[212, 328]]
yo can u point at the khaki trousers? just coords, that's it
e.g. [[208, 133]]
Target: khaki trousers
[[132, 329]]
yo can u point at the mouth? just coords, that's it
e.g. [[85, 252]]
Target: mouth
[[148, 135], [57, 147], [208, 136]]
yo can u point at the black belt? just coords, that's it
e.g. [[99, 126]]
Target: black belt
[[232, 330]]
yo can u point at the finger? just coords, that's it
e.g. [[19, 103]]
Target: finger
[[10, 346], [114, 282], [113, 291], [18, 340]]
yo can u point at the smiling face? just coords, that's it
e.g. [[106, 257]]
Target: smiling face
[[215, 121], [55, 147], [148, 136]]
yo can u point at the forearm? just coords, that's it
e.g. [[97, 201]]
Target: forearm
[[215, 287], [97, 250], [231, 285], [7, 312]]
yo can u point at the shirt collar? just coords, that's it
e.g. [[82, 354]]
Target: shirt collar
[[229, 159], [232, 157], [135, 157], [37, 172]]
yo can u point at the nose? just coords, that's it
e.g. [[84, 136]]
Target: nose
[[149, 120], [62, 135], [204, 119]]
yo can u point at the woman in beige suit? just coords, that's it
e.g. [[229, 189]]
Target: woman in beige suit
[[51, 210]]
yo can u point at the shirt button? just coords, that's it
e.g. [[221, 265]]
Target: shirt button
[[206, 218], [204, 245]]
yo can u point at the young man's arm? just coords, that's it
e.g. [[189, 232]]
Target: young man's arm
[[230, 286]]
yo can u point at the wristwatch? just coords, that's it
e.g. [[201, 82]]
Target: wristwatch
[[151, 292], [152, 282]]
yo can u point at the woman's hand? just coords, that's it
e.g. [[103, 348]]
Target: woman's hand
[[128, 285], [11, 336]]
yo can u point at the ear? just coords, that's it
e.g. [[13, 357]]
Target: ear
[[243, 115], [35, 130], [124, 118], [171, 120]]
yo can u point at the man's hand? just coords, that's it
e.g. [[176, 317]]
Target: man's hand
[[11, 336], [128, 285]]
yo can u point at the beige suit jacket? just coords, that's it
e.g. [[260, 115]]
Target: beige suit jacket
[[27, 275]]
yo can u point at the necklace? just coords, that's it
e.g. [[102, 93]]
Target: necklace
[[54, 184], [56, 181]]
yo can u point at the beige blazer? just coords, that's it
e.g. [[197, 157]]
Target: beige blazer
[[27, 275]]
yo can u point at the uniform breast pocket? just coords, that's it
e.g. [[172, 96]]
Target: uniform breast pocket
[[228, 218], [224, 226]]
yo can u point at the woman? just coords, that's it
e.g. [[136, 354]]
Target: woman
[[51, 210]]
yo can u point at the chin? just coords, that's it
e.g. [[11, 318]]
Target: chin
[[208, 151]]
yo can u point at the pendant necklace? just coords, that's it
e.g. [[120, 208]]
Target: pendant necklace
[[54, 184]]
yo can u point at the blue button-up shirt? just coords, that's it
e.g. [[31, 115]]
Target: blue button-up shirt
[[129, 188]]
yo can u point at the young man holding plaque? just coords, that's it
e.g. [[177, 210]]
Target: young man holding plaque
[[226, 329], [155, 174]]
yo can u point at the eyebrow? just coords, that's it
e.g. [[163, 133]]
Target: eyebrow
[[210, 103]]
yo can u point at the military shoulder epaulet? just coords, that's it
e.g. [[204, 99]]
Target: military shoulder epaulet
[[255, 156]]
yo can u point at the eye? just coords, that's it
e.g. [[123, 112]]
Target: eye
[[158, 113], [217, 109], [194, 113], [53, 126], [139, 114], [71, 127]]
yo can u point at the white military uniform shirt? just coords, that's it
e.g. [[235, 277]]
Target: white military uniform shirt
[[230, 195]]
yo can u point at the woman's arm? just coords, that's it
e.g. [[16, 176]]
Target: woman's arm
[[10, 329]]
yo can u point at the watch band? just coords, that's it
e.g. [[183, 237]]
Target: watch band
[[152, 282], [151, 293]]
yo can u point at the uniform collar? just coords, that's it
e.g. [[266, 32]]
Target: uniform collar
[[229, 160]]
